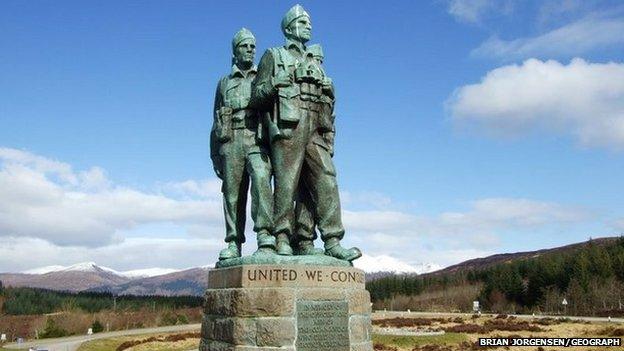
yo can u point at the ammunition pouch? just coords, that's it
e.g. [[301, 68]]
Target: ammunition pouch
[[223, 129], [287, 104]]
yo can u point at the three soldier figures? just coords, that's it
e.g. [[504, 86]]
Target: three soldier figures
[[277, 120]]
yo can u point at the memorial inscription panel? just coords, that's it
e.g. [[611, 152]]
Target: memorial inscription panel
[[322, 326]]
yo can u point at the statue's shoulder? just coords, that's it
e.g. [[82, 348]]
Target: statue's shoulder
[[222, 83]]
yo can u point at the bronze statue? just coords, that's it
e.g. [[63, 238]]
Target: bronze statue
[[305, 215], [239, 152], [289, 87]]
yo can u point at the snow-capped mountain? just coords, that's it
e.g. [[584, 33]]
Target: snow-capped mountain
[[92, 277], [384, 263], [164, 281], [148, 272], [93, 267]]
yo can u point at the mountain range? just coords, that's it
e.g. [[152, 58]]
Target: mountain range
[[88, 276]]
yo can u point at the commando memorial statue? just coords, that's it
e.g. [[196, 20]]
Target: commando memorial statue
[[239, 151], [278, 120], [273, 136]]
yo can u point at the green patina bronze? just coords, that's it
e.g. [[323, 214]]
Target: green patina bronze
[[265, 257], [279, 120], [239, 152]]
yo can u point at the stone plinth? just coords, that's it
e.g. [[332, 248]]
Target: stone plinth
[[286, 307]]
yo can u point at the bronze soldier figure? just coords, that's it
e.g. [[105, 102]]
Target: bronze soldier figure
[[305, 216], [239, 152], [289, 85]]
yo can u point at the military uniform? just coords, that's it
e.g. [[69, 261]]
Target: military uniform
[[239, 152], [299, 153], [305, 214]]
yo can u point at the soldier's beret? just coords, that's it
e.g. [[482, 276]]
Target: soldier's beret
[[241, 35], [316, 50], [292, 14]]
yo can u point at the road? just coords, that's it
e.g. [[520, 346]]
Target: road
[[72, 343], [392, 314]]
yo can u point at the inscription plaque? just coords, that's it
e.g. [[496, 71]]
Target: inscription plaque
[[322, 326]]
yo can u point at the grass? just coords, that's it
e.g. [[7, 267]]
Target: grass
[[111, 344], [409, 341]]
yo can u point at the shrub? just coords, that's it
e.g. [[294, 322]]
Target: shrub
[[52, 330], [97, 327]]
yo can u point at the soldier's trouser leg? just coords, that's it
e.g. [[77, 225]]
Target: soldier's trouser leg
[[287, 159], [259, 169], [320, 176], [304, 215], [234, 188]]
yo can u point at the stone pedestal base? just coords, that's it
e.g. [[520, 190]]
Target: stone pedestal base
[[286, 307]]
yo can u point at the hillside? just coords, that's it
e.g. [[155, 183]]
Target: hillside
[[589, 275], [76, 280], [188, 282], [489, 261]]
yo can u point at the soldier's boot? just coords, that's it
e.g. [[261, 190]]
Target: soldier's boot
[[333, 248], [232, 251], [306, 247], [266, 243], [283, 245]]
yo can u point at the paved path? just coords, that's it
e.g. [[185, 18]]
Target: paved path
[[72, 343], [392, 314]]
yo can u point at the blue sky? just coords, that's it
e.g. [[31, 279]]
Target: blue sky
[[465, 127]]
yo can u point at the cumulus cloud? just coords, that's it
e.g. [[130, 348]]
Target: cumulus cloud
[[453, 236], [51, 214], [582, 99], [204, 189], [584, 35], [47, 199], [484, 214], [19, 254], [473, 11]]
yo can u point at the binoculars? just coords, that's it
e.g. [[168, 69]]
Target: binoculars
[[308, 73]]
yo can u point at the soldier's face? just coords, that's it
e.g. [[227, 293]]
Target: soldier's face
[[245, 51], [301, 29]]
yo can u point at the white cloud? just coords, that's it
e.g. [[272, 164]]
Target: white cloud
[[42, 198], [583, 99], [19, 254], [51, 214], [453, 236], [485, 214], [589, 33], [473, 11], [203, 189]]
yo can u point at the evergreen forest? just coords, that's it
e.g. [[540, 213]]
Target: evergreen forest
[[31, 301], [589, 277]]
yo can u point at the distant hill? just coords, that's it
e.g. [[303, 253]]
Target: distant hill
[[588, 275], [90, 277], [188, 282], [75, 278], [489, 261]]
